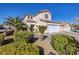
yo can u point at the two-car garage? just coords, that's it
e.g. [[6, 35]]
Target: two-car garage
[[53, 29], [57, 28]]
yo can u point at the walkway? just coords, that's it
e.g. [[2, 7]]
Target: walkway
[[8, 37], [45, 44]]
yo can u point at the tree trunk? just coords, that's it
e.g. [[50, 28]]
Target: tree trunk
[[15, 30], [42, 36]]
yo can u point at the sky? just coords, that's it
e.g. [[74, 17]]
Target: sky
[[61, 12]]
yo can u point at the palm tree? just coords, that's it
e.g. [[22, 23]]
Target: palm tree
[[14, 21], [42, 30]]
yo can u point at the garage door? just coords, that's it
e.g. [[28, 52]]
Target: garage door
[[53, 29], [67, 28]]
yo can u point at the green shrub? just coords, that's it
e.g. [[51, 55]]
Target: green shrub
[[61, 44], [19, 46], [71, 49], [7, 49], [22, 36], [19, 49], [27, 48], [2, 36]]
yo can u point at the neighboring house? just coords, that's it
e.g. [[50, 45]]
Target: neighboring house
[[43, 18]]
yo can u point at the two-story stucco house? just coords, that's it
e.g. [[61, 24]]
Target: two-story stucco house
[[43, 18]]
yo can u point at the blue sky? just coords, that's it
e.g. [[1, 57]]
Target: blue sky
[[60, 12]]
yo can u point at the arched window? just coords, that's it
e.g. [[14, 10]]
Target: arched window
[[46, 16]]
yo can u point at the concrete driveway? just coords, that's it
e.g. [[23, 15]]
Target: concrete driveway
[[74, 34]]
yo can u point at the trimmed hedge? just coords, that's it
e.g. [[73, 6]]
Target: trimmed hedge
[[22, 36], [2, 37], [64, 44], [19, 49]]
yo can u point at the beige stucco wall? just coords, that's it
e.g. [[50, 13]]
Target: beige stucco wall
[[39, 22], [38, 17], [42, 16]]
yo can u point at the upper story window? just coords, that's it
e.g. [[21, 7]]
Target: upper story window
[[46, 16], [30, 17]]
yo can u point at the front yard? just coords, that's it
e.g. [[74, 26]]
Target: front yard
[[19, 46], [25, 43]]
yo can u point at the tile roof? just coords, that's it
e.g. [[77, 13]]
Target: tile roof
[[54, 23], [45, 10], [48, 21]]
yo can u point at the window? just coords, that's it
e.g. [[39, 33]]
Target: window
[[46, 15], [30, 17]]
